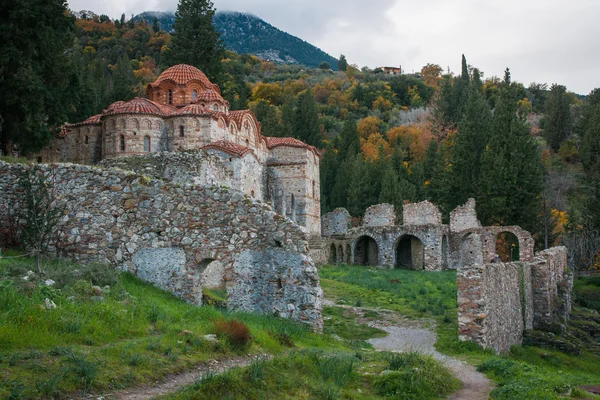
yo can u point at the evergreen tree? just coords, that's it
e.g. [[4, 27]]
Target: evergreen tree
[[557, 121], [590, 157], [342, 63], [195, 40], [288, 115], [35, 82], [123, 80], [268, 118], [306, 120], [155, 25], [511, 173], [349, 141], [391, 191], [469, 145]]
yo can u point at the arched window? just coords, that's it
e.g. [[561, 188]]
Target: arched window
[[86, 140], [194, 94], [170, 96], [122, 143], [215, 108], [181, 131], [147, 144]]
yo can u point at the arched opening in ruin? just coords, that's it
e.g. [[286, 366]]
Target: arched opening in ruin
[[212, 280], [507, 247], [340, 254], [444, 251], [348, 254], [366, 251], [332, 254], [410, 253]]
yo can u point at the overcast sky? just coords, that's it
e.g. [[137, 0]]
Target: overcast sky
[[551, 41]]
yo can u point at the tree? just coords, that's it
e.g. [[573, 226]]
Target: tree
[[511, 172], [557, 121], [590, 157], [349, 142], [431, 74], [342, 63], [35, 88], [195, 40], [123, 80], [324, 66], [307, 126], [155, 25], [469, 145]]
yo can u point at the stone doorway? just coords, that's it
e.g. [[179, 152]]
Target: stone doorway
[[409, 253], [366, 251], [507, 247], [332, 254]]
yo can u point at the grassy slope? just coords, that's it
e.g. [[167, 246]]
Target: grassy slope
[[135, 334], [524, 373]]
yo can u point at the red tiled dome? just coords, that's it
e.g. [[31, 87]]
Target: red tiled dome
[[193, 109], [210, 96], [182, 74], [138, 105], [93, 120]]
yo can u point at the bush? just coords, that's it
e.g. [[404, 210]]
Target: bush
[[235, 332]]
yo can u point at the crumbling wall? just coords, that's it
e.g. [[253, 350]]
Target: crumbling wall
[[423, 213], [337, 222], [464, 217], [498, 301], [165, 232], [380, 215]]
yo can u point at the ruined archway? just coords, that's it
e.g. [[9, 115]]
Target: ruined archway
[[332, 254], [348, 258], [507, 247], [340, 254], [366, 251], [212, 281], [410, 253]]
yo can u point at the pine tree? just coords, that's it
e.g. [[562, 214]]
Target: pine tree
[[557, 121], [307, 126], [390, 188], [511, 173], [195, 40], [155, 25], [349, 141], [123, 80], [342, 63], [469, 145], [590, 157], [36, 94]]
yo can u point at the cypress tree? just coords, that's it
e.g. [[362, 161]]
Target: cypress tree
[[342, 63], [306, 120], [36, 91], [469, 145], [155, 25], [590, 157], [557, 121], [195, 40], [511, 173], [349, 141]]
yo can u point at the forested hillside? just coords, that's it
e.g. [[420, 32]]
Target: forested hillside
[[529, 154], [248, 34]]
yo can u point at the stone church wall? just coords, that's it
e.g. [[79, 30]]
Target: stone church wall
[[167, 233]]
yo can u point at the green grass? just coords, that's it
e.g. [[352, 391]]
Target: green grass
[[587, 292], [527, 372], [342, 322], [311, 374], [130, 337]]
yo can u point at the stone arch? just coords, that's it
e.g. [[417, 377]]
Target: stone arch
[[348, 254], [523, 238], [147, 144], [146, 124], [122, 124], [332, 254], [340, 254], [158, 125], [112, 125], [366, 251], [507, 247], [134, 123], [409, 252]]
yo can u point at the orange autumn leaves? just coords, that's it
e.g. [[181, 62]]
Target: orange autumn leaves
[[415, 137]]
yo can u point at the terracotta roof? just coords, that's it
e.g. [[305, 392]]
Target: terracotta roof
[[229, 148], [139, 105], [182, 74], [273, 142], [93, 120], [209, 96], [193, 109]]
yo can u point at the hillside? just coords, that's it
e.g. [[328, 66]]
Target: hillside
[[248, 34]]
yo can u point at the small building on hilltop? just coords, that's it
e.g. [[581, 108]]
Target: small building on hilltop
[[185, 112]]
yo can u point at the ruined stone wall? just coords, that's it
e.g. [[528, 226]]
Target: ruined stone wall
[[210, 167], [134, 129], [294, 186], [497, 301], [423, 213], [166, 232], [336, 222], [380, 215], [464, 217]]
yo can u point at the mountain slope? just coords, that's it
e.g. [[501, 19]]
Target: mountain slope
[[246, 33]]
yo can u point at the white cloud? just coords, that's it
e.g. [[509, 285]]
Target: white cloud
[[540, 40]]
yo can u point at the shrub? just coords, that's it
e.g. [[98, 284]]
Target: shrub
[[236, 332]]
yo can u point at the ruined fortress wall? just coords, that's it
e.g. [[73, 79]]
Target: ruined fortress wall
[[497, 301], [202, 167], [423, 213], [166, 232], [380, 215], [337, 222]]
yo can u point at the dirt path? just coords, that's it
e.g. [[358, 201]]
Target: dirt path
[[405, 334], [174, 382]]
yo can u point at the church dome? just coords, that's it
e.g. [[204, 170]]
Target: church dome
[[210, 96], [139, 105], [182, 74]]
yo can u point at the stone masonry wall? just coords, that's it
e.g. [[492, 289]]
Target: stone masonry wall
[[497, 301], [464, 217], [423, 213], [336, 222], [380, 215], [165, 232]]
